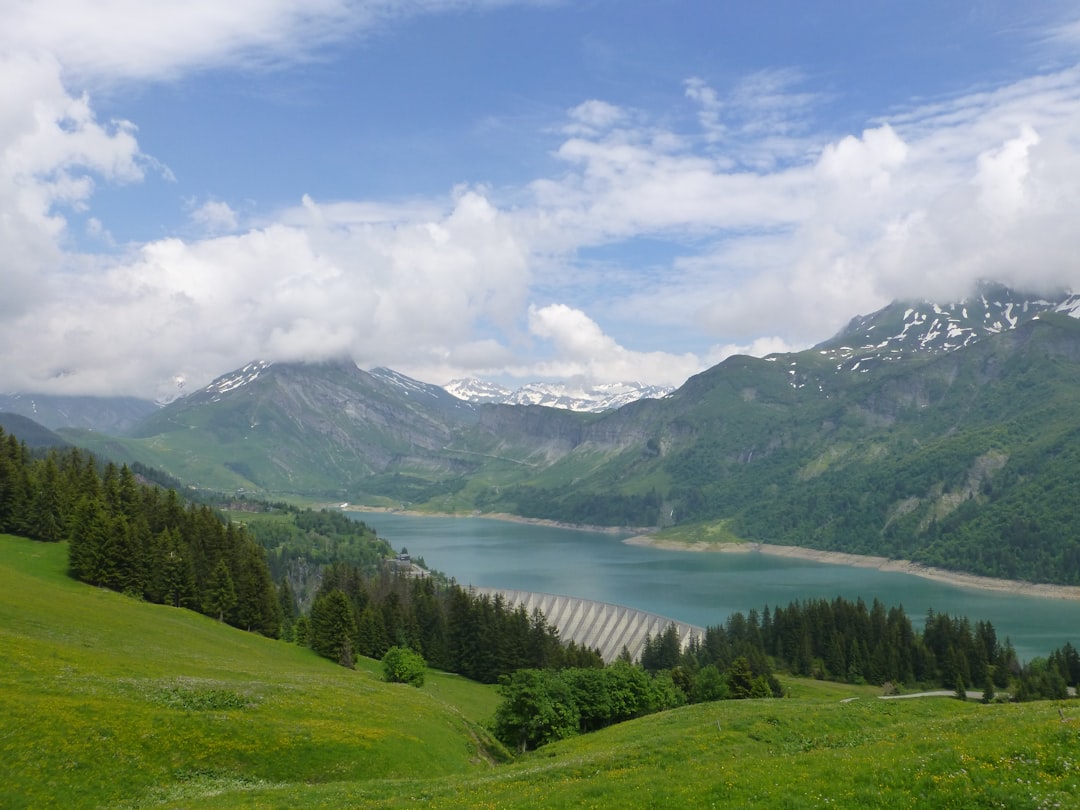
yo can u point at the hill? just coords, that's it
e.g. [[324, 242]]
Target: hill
[[112, 702], [30, 431], [942, 433], [109, 701]]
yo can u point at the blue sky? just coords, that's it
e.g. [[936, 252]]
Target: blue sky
[[513, 190]]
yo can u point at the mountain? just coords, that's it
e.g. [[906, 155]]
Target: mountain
[[29, 431], [114, 415], [948, 434], [300, 428], [581, 398], [479, 391], [922, 327]]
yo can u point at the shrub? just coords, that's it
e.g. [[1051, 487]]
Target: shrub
[[402, 665]]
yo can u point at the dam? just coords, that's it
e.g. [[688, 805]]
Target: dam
[[597, 625]]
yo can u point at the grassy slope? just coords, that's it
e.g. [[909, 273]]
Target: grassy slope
[[105, 701]]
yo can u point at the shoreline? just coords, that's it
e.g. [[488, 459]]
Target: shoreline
[[642, 538], [957, 578], [506, 517]]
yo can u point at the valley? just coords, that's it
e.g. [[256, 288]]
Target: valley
[[945, 435], [113, 702]]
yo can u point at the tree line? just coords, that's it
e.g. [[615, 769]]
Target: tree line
[[135, 537], [140, 539], [845, 641], [451, 627]]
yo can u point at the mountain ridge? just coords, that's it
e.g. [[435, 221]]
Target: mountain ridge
[[582, 398], [929, 443]]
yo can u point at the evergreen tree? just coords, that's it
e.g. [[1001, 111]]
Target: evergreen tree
[[222, 594], [287, 606], [740, 679], [961, 688], [174, 583], [87, 542], [333, 628], [988, 690], [45, 521]]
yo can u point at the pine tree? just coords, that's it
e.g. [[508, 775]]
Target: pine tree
[[222, 594], [988, 690], [87, 541], [175, 580], [333, 627], [45, 520]]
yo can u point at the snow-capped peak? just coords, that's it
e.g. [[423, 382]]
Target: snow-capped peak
[[236, 379], [473, 390], [583, 398], [170, 390], [407, 385], [927, 328]]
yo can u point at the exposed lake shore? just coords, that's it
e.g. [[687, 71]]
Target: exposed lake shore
[[503, 516], [957, 578]]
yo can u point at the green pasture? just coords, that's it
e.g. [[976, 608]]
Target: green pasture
[[109, 702]]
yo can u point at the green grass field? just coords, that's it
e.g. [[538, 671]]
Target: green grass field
[[108, 702]]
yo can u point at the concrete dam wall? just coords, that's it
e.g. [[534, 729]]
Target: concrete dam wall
[[598, 625]]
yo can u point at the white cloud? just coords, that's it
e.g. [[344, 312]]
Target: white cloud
[[582, 350], [592, 117], [767, 228], [404, 294], [136, 40], [977, 186], [709, 114], [214, 216], [52, 151]]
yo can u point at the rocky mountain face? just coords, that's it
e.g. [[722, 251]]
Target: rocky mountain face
[[312, 426]]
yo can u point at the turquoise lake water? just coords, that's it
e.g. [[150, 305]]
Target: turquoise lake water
[[700, 588]]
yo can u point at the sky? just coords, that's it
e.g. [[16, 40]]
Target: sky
[[589, 190]]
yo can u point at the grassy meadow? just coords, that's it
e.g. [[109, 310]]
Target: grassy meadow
[[109, 702]]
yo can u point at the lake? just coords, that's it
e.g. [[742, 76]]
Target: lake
[[699, 588]]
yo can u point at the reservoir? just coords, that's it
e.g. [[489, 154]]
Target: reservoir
[[701, 588]]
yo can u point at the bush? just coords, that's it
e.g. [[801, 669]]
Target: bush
[[402, 665]]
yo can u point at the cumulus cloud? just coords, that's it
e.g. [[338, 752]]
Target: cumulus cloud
[[582, 350], [923, 205], [404, 294], [53, 151], [766, 228]]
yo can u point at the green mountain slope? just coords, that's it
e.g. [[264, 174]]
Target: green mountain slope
[[962, 459], [110, 702], [30, 431], [107, 701], [943, 434]]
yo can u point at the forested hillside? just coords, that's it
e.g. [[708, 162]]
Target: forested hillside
[[136, 538], [947, 435], [962, 460]]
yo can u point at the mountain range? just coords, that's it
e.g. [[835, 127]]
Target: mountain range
[[571, 397], [943, 433]]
